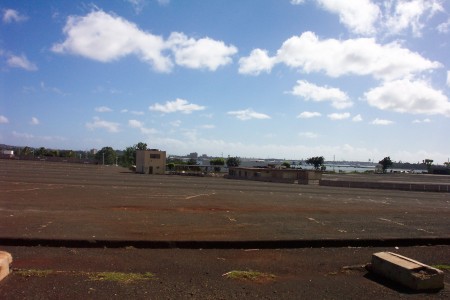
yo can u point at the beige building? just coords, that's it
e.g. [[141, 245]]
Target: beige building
[[151, 161], [276, 175]]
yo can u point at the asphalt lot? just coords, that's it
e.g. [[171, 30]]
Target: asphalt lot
[[83, 212]]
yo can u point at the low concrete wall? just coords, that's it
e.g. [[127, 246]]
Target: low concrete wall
[[404, 186], [275, 175]]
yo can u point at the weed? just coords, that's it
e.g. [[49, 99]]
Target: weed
[[120, 277], [249, 275], [95, 276], [442, 267], [33, 273]]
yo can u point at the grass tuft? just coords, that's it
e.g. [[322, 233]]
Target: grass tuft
[[120, 277], [442, 267], [249, 275]]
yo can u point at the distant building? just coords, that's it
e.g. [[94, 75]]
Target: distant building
[[8, 153], [275, 175], [151, 161], [193, 155]]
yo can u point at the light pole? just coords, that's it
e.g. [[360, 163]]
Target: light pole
[[103, 158]]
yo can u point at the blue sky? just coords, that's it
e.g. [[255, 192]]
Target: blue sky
[[350, 79]]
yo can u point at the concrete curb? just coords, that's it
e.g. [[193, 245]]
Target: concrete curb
[[5, 261], [245, 244]]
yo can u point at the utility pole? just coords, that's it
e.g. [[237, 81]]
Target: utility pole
[[103, 158]]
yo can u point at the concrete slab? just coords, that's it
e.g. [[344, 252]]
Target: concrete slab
[[5, 261], [406, 271]]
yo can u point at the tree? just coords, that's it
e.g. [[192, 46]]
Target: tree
[[233, 162], [217, 162], [316, 161], [428, 162], [129, 157], [108, 154], [286, 165], [385, 163], [192, 161], [141, 146]]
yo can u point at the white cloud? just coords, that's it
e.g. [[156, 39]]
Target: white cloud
[[338, 116], [357, 118], [34, 121], [310, 91], [163, 2], [202, 53], [309, 135], [359, 16], [361, 56], [22, 62], [11, 15], [308, 115], [401, 15], [417, 121], [405, 96], [179, 105], [248, 114], [139, 125], [3, 120], [381, 122], [99, 123], [135, 123], [176, 123], [105, 37], [208, 126], [258, 61], [297, 2], [448, 78], [444, 27], [138, 5], [103, 109]]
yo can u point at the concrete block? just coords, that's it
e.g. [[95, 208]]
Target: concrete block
[[5, 261], [406, 271]]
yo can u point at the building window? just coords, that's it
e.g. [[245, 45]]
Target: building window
[[155, 156]]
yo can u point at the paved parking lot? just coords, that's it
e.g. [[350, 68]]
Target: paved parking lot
[[83, 208]]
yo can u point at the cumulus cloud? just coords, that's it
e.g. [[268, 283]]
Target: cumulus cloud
[[21, 62], [310, 91], [179, 105], [357, 118], [258, 61], [444, 27], [248, 114], [202, 53], [391, 17], [448, 78], [381, 122], [3, 120], [99, 123], [11, 15], [34, 121], [103, 109], [406, 96], [309, 135], [297, 2], [417, 121], [402, 15], [339, 116], [139, 125], [138, 5], [361, 56], [359, 16], [105, 37], [308, 115]]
